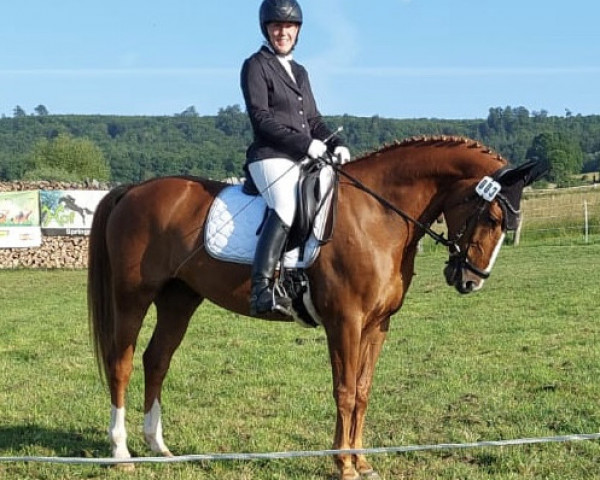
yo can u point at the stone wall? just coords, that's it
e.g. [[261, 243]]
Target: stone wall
[[55, 252]]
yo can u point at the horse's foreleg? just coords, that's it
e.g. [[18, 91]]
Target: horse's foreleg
[[344, 353], [174, 305], [371, 345]]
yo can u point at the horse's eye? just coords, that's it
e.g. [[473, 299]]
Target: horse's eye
[[492, 220]]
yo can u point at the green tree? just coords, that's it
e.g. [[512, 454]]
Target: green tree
[[67, 158], [18, 112], [41, 111], [188, 112], [560, 153], [232, 121]]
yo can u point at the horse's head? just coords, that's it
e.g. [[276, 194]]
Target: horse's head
[[478, 222]]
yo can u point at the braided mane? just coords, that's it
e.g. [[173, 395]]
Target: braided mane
[[450, 141]]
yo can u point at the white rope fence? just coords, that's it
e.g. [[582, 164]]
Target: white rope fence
[[297, 454]]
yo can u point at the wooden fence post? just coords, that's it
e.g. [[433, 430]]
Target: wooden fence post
[[518, 231]]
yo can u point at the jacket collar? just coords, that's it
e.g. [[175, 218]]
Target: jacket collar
[[276, 66]]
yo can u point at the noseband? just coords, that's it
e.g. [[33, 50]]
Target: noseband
[[488, 190]]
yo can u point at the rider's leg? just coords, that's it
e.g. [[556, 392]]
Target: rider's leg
[[277, 181], [263, 297]]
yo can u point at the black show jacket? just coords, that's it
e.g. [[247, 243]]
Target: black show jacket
[[283, 113]]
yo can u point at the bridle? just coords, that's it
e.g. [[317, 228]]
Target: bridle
[[487, 190]]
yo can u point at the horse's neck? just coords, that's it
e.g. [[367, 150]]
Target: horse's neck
[[418, 180], [408, 183]]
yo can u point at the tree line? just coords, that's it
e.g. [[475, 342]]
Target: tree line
[[42, 146]]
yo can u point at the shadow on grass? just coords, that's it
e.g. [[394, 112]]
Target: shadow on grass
[[53, 442]]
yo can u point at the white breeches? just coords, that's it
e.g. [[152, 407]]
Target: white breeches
[[277, 181]]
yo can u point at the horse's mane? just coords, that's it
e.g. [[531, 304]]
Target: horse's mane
[[440, 140]]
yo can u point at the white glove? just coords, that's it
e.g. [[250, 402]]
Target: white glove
[[342, 154], [316, 149]]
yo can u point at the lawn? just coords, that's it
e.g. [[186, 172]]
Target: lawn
[[518, 359]]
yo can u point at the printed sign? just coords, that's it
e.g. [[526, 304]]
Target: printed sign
[[20, 220], [20, 237], [19, 209], [68, 212]]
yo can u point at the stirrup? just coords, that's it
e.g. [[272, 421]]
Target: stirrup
[[281, 302], [283, 308], [270, 300]]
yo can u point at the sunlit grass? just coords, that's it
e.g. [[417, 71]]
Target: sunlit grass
[[519, 359]]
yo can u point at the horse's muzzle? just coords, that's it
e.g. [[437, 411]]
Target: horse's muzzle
[[460, 276]]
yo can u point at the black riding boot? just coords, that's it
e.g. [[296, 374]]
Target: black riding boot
[[263, 298]]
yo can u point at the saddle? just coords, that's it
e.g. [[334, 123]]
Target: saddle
[[234, 224], [311, 198]]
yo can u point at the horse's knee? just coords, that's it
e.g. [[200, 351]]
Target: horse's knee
[[345, 399], [362, 398]]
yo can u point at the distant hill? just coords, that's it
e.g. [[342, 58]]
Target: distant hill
[[214, 146]]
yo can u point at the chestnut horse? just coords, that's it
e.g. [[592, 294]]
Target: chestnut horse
[[146, 246]]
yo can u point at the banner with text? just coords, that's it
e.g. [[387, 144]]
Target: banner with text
[[20, 219], [68, 212]]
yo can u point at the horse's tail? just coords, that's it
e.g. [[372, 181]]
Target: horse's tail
[[99, 288]]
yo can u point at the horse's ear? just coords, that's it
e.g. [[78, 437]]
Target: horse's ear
[[525, 174], [513, 181]]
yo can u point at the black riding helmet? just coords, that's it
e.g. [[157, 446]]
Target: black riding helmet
[[279, 11]]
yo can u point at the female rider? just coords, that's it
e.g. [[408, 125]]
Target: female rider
[[287, 127]]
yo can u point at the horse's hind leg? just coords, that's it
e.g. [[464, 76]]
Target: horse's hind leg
[[129, 315], [175, 305]]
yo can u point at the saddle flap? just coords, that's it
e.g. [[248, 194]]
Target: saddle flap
[[316, 191]]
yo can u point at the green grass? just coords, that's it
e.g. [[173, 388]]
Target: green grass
[[519, 359]]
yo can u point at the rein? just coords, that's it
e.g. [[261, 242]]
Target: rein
[[457, 257], [438, 238]]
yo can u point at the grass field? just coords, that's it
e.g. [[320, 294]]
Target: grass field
[[557, 216], [519, 359]]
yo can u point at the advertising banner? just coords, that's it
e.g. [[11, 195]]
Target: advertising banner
[[20, 237], [20, 219], [68, 212]]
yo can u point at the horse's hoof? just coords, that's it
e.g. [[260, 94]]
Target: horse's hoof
[[125, 467], [370, 475], [350, 475]]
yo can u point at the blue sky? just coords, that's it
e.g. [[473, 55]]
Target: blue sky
[[392, 58]]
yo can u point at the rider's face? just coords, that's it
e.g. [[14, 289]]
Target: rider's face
[[282, 36]]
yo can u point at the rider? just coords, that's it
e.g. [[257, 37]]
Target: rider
[[287, 127]]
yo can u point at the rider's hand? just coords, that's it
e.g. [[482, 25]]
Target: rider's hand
[[316, 149], [342, 154]]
